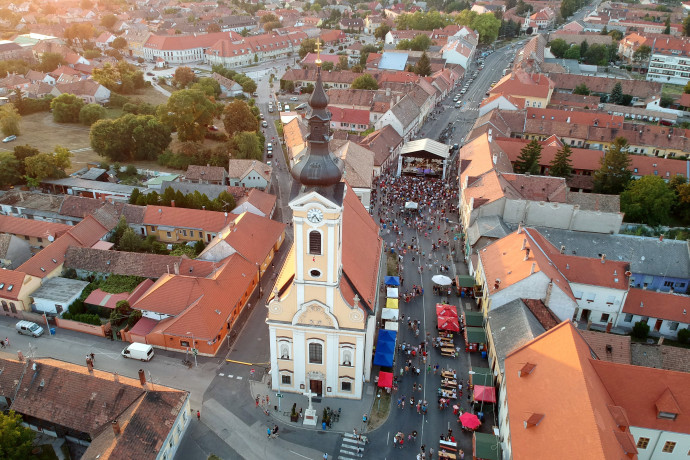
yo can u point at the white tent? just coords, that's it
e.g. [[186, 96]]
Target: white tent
[[392, 292], [411, 205], [390, 314], [392, 325]]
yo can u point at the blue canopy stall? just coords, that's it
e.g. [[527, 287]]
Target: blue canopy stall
[[385, 348], [391, 281]]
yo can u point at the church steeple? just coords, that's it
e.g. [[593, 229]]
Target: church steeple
[[318, 167]]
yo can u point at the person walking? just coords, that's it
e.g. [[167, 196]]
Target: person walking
[[198, 415]]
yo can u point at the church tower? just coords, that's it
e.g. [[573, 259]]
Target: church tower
[[318, 322]]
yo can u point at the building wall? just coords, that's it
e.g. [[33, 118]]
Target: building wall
[[667, 328], [176, 433], [657, 441], [599, 301], [659, 283], [669, 69], [13, 308], [178, 235]]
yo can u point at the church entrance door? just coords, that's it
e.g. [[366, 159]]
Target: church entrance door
[[316, 386]]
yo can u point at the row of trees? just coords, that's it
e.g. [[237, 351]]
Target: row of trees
[[595, 54], [486, 24], [224, 202], [30, 165], [248, 85]]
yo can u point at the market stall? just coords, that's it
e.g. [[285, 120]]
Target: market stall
[[392, 292], [391, 281], [473, 318], [480, 376], [385, 348], [392, 303], [385, 379], [475, 339], [484, 394], [390, 314]]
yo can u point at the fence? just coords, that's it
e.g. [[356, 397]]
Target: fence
[[100, 331]]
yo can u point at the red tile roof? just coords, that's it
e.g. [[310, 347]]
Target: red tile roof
[[341, 115], [253, 236], [31, 227], [11, 282], [184, 42], [574, 404], [662, 305], [85, 234], [167, 216]]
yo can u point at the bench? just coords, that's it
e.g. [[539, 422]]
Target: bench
[[448, 375], [444, 454]]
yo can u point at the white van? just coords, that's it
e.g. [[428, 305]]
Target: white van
[[139, 351], [29, 328], [287, 108]]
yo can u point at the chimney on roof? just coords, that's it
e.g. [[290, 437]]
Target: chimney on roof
[[603, 258], [116, 427], [172, 203], [534, 267], [524, 241], [142, 377], [176, 268], [527, 255], [562, 250], [89, 364], [661, 238]]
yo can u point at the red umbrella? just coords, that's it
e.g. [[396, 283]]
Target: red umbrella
[[446, 323], [470, 421]]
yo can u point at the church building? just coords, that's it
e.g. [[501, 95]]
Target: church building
[[322, 313]]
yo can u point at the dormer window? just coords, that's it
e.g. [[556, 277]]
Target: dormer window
[[667, 415]]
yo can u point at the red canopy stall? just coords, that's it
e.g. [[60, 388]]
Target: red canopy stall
[[485, 394], [385, 379]]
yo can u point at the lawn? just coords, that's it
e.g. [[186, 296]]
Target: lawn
[[675, 91]]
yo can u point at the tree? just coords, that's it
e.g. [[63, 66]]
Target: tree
[[123, 77], [365, 81], [66, 108], [130, 137], [581, 89], [487, 25], [423, 66], [119, 43], [91, 113], [80, 32], [10, 171], [189, 111], [342, 63], [208, 86], [616, 35], [108, 21], [573, 52], [642, 54], [596, 54], [381, 31], [640, 330], [47, 165], [584, 46], [326, 66], [15, 439], [307, 46], [129, 241], [559, 47], [667, 23], [9, 120], [614, 174], [686, 26], [616, 96], [184, 76], [528, 161], [238, 117], [561, 166], [648, 200], [247, 146], [213, 28], [420, 42], [50, 62]]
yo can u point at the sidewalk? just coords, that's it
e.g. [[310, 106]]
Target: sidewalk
[[351, 414]]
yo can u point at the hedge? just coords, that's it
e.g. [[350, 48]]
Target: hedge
[[83, 318]]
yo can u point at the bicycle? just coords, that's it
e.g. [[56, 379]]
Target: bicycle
[[187, 363]]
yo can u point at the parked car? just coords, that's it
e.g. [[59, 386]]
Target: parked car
[[264, 124], [302, 106], [255, 94], [287, 108], [293, 98], [150, 74], [269, 155], [212, 128], [269, 147], [29, 328], [9, 139]]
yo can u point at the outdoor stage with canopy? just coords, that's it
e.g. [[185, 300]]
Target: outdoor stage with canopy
[[423, 157]]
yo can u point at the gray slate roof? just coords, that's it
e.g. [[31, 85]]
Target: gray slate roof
[[489, 226], [512, 326], [648, 256], [59, 289], [406, 111]]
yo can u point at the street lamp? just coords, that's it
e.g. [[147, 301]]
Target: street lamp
[[261, 291], [194, 350]]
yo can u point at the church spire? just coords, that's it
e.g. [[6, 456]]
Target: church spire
[[318, 167]]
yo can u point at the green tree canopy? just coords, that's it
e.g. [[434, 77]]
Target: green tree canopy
[[189, 112], [487, 25], [238, 117], [559, 47], [642, 54], [184, 76], [10, 171], [66, 108], [616, 96], [365, 81], [307, 46], [561, 166], [421, 42], [528, 160], [581, 89], [573, 52], [50, 62], [10, 120], [247, 146], [423, 66], [614, 174], [130, 137], [15, 439], [91, 113], [48, 165], [122, 77], [381, 31], [119, 43], [647, 200]]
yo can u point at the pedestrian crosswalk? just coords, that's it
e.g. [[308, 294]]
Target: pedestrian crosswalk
[[351, 447], [469, 109]]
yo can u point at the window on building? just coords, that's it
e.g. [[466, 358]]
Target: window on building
[[286, 380], [347, 357], [284, 351], [40, 240], [184, 343], [628, 317], [604, 317], [673, 325], [315, 353], [168, 234], [642, 443], [668, 447], [314, 242], [668, 283], [345, 386]]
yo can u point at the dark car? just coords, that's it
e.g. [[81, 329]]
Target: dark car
[[150, 74]]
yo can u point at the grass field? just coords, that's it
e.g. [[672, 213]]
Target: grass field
[[40, 131]]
